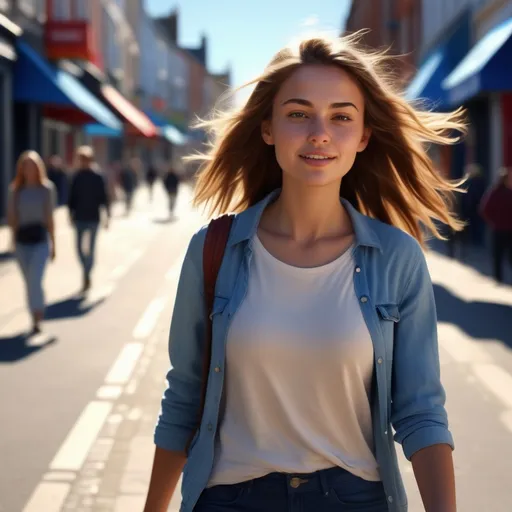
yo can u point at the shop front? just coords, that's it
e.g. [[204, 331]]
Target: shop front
[[8, 34]]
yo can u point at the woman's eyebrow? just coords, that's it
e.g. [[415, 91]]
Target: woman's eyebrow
[[306, 103]]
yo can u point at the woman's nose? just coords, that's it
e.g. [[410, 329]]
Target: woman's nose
[[319, 133]]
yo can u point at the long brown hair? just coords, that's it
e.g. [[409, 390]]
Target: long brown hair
[[393, 180], [29, 156]]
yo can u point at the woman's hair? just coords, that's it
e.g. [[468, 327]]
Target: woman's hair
[[393, 179], [29, 156]]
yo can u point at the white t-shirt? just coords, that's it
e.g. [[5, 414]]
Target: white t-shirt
[[299, 365]]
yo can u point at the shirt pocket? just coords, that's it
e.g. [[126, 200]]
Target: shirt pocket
[[389, 316]]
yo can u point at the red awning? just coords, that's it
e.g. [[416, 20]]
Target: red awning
[[131, 114]]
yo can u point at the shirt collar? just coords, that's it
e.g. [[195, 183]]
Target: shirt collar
[[246, 223]]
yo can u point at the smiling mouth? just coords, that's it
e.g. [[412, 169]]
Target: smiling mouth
[[317, 157]]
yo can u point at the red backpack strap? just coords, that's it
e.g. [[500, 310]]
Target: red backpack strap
[[213, 253]]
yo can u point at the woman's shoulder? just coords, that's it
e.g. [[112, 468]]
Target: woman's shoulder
[[395, 241]]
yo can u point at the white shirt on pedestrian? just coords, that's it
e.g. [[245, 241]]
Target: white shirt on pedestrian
[[299, 366]]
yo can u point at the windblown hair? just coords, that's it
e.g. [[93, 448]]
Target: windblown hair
[[29, 156], [393, 179]]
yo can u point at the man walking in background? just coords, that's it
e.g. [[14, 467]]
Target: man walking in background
[[57, 175], [171, 183], [87, 196]]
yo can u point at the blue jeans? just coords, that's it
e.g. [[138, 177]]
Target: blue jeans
[[329, 490], [32, 260], [86, 257]]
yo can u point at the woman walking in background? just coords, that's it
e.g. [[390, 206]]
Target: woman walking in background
[[324, 347], [32, 198]]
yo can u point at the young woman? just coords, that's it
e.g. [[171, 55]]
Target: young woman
[[32, 198], [324, 323]]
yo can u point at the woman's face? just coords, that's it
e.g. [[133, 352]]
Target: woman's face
[[30, 171], [317, 125]]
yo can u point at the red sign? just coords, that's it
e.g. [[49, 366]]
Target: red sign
[[70, 40]]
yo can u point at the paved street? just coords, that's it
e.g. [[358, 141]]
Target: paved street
[[79, 402]]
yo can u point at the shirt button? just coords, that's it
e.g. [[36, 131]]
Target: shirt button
[[295, 482], [385, 432], [364, 299], [210, 427], [390, 499], [217, 369], [358, 269], [379, 361]]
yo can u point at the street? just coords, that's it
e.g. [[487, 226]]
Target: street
[[79, 402]]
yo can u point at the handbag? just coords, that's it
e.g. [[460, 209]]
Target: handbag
[[31, 234], [214, 248]]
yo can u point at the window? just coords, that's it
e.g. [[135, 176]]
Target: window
[[61, 10], [81, 9]]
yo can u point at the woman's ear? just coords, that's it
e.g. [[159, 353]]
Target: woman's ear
[[266, 132], [365, 139]]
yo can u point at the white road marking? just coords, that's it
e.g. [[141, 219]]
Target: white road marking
[[121, 371], [496, 380], [148, 320], [109, 392], [123, 268], [506, 419], [59, 476], [75, 448], [48, 496]]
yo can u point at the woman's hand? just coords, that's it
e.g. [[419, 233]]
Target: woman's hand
[[53, 253]]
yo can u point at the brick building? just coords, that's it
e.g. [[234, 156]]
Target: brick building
[[392, 23]]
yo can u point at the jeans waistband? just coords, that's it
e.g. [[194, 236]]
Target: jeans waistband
[[321, 480]]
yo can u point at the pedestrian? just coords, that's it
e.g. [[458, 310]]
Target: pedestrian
[[171, 184], [31, 203], [467, 204], [87, 197], [57, 175], [324, 323], [496, 209], [128, 181], [151, 177]]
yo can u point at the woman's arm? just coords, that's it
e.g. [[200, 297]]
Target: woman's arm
[[50, 220], [418, 414], [12, 218], [433, 469], [181, 401], [167, 468]]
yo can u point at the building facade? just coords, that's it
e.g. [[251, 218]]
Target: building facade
[[393, 24]]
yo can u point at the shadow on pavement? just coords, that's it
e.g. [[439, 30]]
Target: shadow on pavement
[[74, 306], [15, 348], [480, 320]]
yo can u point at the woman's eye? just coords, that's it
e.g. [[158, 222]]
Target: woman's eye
[[342, 117], [297, 115]]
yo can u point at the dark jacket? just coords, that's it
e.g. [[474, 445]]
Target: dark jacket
[[87, 194]]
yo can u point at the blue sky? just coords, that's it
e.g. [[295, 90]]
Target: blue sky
[[246, 33]]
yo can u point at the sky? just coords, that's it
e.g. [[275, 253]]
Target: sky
[[245, 34]]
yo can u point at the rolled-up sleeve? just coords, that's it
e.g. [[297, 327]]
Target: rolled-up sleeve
[[181, 400], [418, 412]]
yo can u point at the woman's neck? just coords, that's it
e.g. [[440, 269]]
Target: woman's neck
[[306, 214]]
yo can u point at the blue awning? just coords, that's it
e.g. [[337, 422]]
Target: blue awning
[[99, 130], [486, 67], [426, 83], [172, 134], [37, 81]]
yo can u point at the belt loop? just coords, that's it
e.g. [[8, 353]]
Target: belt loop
[[324, 482]]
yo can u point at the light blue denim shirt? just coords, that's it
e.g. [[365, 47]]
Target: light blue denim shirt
[[395, 293]]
